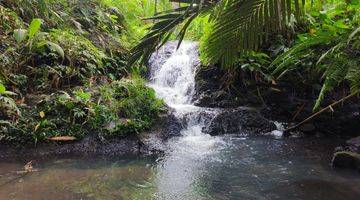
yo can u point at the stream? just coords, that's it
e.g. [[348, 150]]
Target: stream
[[195, 166]]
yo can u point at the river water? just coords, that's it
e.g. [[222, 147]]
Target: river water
[[195, 166]]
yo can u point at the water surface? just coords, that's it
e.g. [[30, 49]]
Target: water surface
[[228, 168]]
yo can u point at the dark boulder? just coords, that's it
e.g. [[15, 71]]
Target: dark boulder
[[209, 91], [241, 120], [346, 159], [166, 127]]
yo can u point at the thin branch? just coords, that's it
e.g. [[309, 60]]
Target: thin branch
[[329, 107]]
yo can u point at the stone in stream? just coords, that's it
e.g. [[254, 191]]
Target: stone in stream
[[346, 159], [348, 156], [240, 120]]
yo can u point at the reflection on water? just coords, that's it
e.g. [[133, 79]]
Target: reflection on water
[[227, 168]]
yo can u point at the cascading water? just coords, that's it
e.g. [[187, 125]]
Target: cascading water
[[173, 79], [172, 76]]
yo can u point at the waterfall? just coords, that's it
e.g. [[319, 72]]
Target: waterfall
[[172, 77]]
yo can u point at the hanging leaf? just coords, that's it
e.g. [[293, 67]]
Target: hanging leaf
[[55, 47], [20, 35], [34, 27]]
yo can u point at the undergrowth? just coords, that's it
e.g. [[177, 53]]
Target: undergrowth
[[119, 108], [63, 70]]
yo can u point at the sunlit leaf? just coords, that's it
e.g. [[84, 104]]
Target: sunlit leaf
[[34, 27], [2, 88]]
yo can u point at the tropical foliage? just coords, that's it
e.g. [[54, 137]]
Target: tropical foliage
[[237, 28], [63, 63], [331, 47]]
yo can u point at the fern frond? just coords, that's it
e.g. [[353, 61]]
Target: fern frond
[[353, 77], [288, 58], [334, 75]]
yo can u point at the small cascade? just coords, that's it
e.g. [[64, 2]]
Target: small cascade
[[172, 76]]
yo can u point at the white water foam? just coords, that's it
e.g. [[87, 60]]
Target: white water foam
[[173, 79]]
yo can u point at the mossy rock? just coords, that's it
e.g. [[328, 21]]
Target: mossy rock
[[346, 159]]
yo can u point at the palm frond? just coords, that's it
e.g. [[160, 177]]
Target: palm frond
[[242, 25], [166, 23], [237, 25]]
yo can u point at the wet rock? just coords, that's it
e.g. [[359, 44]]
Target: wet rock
[[167, 126], [354, 144], [241, 120], [284, 102], [348, 156], [90, 146], [209, 91], [346, 159]]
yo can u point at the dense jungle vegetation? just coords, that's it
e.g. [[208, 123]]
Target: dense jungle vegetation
[[63, 70], [72, 67]]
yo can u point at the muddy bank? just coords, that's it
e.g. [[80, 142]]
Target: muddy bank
[[94, 145]]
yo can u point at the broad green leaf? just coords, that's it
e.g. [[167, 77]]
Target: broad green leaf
[[57, 48], [2, 88], [34, 27], [20, 35]]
